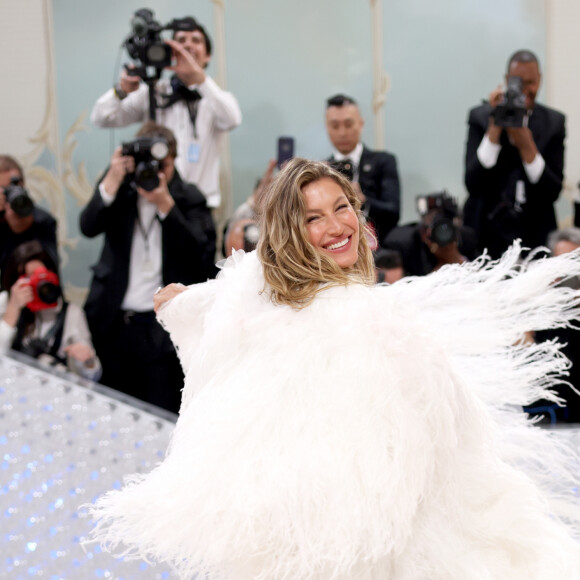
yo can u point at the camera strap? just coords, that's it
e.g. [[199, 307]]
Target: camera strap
[[50, 342], [181, 92]]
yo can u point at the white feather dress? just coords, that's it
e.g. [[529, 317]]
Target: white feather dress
[[376, 434]]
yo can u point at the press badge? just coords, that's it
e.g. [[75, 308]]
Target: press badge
[[193, 153]]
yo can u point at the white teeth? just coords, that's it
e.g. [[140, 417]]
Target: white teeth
[[338, 245]]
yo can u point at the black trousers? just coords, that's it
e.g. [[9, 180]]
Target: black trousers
[[139, 359]]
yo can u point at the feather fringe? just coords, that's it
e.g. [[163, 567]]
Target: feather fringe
[[292, 459]]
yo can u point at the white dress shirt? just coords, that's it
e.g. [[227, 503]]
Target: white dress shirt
[[145, 264], [488, 152], [354, 156]]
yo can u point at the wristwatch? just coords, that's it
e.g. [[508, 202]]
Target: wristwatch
[[121, 94]]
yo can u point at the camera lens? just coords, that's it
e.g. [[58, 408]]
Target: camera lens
[[443, 231], [156, 54], [146, 175], [20, 202], [48, 292]]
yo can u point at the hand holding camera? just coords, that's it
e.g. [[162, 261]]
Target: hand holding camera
[[510, 108], [494, 131], [523, 140], [510, 113], [121, 166], [159, 196], [142, 158], [129, 81], [186, 67], [20, 294], [45, 287], [38, 292]]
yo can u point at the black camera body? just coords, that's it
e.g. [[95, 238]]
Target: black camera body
[[345, 167], [146, 46], [18, 198], [45, 289], [511, 112], [442, 209], [149, 153]]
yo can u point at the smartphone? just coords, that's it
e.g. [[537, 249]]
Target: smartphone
[[285, 150]]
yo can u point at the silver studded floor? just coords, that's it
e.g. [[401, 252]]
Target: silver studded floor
[[62, 443]]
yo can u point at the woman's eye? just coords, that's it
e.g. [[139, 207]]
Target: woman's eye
[[311, 219]]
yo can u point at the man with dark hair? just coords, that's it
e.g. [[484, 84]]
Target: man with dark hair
[[15, 229], [191, 104], [152, 237], [374, 171], [438, 239], [389, 266], [514, 174]]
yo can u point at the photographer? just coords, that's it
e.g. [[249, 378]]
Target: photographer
[[20, 219], [35, 320], [374, 172], [156, 231], [241, 231], [438, 239], [191, 104], [388, 266], [514, 162]]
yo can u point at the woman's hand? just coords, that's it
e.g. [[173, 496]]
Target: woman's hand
[[79, 351], [166, 294], [20, 295]]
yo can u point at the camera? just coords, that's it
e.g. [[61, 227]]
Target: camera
[[511, 112], [148, 152], [145, 44], [345, 167], [45, 289], [442, 209], [18, 198]]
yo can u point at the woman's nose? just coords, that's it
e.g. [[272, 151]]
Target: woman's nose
[[334, 225]]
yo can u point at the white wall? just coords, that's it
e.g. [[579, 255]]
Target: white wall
[[562, 80]]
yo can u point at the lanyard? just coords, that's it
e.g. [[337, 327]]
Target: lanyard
[[146, 232]]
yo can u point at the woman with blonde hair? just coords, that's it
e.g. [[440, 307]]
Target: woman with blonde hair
[[334, 429]]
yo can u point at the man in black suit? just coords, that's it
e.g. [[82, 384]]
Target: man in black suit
[[154, 235], [514, 174], [374, 171], [19, 225]]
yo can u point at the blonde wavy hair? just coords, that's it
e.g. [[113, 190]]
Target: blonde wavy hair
[[295, 270]]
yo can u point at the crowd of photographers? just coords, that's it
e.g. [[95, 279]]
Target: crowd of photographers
[[152, 208]]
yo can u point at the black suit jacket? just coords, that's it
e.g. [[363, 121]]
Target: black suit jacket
[[188, 246], [490, 208], [379, 181], [43, 229], [417, 259]]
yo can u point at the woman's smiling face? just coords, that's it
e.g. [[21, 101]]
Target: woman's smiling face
[[331, 221]]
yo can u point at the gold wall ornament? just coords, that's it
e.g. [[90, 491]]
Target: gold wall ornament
[[225, 210], [49, 183], [381, 81], [76, 181]]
